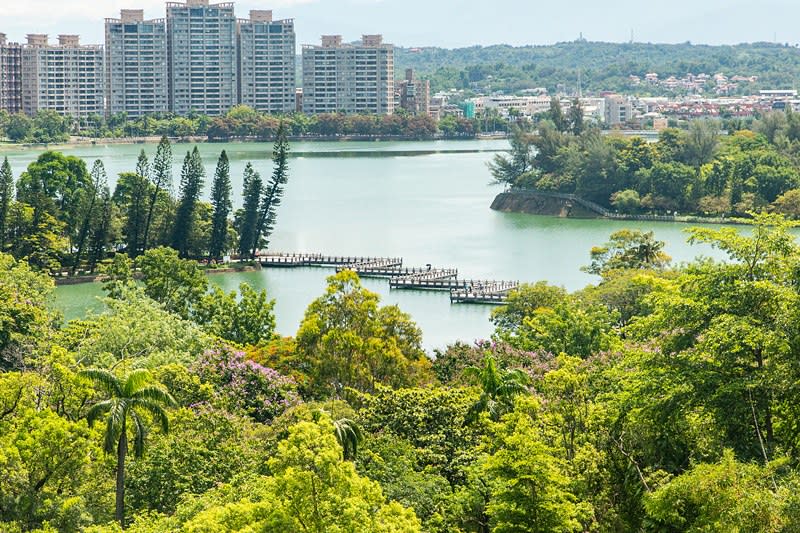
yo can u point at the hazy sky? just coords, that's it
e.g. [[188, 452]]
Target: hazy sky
[[454, 23]]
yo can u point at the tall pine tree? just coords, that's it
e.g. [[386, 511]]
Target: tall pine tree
[[101, 228], [192, 176], [161, 178], [6, 196], [88, 204], [248, 217], [221, 203], [142, 164], [268, 214]]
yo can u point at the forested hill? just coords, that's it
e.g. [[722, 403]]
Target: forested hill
[[603, 66]]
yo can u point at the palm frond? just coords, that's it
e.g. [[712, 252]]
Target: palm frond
[[349, 436], [139, 434], [97, 410], [156, 393], [156, 411], [105, 379], [136, 380], [110, 437]]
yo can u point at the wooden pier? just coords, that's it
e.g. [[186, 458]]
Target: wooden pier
[[300, 260], [400, 277], [484, 292]]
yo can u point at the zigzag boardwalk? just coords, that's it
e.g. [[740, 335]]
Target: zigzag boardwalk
[[484, 292], [415, 278]]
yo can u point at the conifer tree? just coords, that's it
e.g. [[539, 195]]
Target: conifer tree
[[142, 164], [192, 176], [161, 178], [6, 195], [221, 203], [248, 219], [88, 206], [274, 191], [101, 229]]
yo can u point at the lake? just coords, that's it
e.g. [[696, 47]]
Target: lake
[[427, 202]]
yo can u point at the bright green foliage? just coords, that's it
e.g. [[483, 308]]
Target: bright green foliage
[[624, 292], [540, 317], [347, 341], [523, 302], [177, 284], [129, 401], [528, 489], [221, 202], [450, 365], [498, 387], [310, 489], [19, 127], [48, 473], [434, 421], [727, 332], [134, 328], [628, 249], [723, 496], [248, 319], [203, 448], [788, 204], [192, 176], [37, 239], [394, 463], [118, 276], [52, 185], [25, 319]]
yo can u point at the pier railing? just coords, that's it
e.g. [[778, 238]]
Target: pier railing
[[400, 277]]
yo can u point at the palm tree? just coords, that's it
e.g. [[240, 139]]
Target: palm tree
[[128, 399], [498, 387], [349, 436]]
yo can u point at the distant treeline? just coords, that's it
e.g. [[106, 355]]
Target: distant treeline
[[696, 171], [241, 122], [602, 66]]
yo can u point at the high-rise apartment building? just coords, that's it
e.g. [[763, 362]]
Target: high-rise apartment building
[[10, 75], [66, 78], [201, 44], [136, 65], [351, 78], [267, 50], [414, 95]]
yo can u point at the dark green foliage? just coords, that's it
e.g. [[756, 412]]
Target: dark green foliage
[[6, 197], [221, 202], [273, 192], [192, 176], [602, 66], [247, 218], [161, 179], [89, 204]]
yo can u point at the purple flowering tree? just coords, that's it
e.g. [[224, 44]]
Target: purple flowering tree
[[246, 386]]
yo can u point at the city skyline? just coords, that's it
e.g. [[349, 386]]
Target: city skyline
[[453, 24]]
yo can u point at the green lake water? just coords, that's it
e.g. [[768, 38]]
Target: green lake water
[[427, 202]]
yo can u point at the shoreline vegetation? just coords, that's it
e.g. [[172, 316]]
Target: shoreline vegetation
[[76, 141], [533, 202], [241, 122], [684, 174]]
